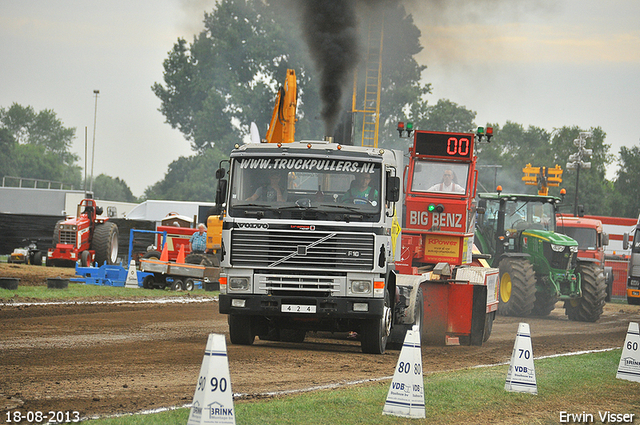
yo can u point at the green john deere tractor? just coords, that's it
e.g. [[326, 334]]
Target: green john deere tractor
[[537, 266]]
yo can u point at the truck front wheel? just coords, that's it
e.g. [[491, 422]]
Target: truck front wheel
[[376, 332], [240, 332], [517, 287]]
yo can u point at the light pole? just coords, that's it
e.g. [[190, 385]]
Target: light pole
[[93, 148], [576, 162]]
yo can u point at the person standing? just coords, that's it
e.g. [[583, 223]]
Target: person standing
[[198, 241]]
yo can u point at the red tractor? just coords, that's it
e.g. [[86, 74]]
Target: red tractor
[[85, 237]]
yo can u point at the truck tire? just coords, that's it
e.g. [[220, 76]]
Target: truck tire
[[374, 333], [189, 284], [292, 335], [148, 282], [105, 243], [517, 287], [488, 325], [544, 304], [608, 275], [37, 259], [240, 332], [594, 291]]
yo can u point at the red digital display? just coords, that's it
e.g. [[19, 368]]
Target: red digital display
[[447, 145]]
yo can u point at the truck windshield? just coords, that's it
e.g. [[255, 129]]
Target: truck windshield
[[305, 188], [433, 176], [586, 238], [635, 247]]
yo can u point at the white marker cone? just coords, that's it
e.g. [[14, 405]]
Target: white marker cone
[[132, 276], [213, 399], [406, 393], [522, 375], [629, 367]]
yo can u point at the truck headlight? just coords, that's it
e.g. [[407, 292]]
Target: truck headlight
[[360, 286], [573, 248], [238, 284], [557, 248]]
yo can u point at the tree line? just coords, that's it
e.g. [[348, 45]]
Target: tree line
[[228, 76]]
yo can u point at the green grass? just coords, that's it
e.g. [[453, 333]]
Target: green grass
[[471, 396], [77, 291]]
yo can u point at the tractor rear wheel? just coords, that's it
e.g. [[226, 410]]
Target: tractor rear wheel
[[202, 260], [105, 243], [517, 287], [594, 291]]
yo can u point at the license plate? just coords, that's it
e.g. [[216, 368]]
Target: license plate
[[294, 308]]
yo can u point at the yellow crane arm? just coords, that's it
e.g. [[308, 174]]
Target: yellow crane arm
[[282, 127], [543, 177]]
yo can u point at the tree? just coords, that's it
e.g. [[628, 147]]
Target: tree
[[108, 188], [627, 190], [189, 178], [38, 146], [513, 146], [216, 86]]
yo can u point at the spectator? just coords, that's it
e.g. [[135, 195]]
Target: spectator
[[198, 241]]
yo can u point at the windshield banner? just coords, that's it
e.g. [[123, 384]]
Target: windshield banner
[[311, 165]]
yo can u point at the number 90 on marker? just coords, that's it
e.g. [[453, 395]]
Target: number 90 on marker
[[215, 384]]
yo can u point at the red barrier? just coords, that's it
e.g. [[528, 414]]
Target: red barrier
[[620, 268]]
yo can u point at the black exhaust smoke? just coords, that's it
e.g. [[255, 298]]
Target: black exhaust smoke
[[331, 32]]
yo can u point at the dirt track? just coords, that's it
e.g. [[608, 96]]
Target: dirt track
[[106, 359]]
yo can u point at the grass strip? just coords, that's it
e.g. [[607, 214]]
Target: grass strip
[[77, 291], [574, 384]]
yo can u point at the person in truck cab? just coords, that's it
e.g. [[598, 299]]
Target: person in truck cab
[[361, 191], [448, 183], [272, 191]]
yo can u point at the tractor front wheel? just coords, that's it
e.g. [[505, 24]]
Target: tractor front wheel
[[594, 291], [517, 287]]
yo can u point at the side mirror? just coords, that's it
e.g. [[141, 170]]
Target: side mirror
[[605, 239], [393, 189], [625, 241], [221, 194], [220, 173]]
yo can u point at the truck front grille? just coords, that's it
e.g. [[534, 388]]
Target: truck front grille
[[68, 237], [300, 250], [287, 285]]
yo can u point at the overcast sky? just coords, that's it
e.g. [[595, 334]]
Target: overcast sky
[[546, 63]]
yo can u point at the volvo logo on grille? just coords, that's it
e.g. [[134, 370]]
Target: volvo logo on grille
[[302, 250], [252, 225]]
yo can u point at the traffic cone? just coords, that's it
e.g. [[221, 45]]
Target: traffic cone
[[629, 366], [213, 398], [522, 374], [132, 276], [406, 393], [165, 253], [180, 259]]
